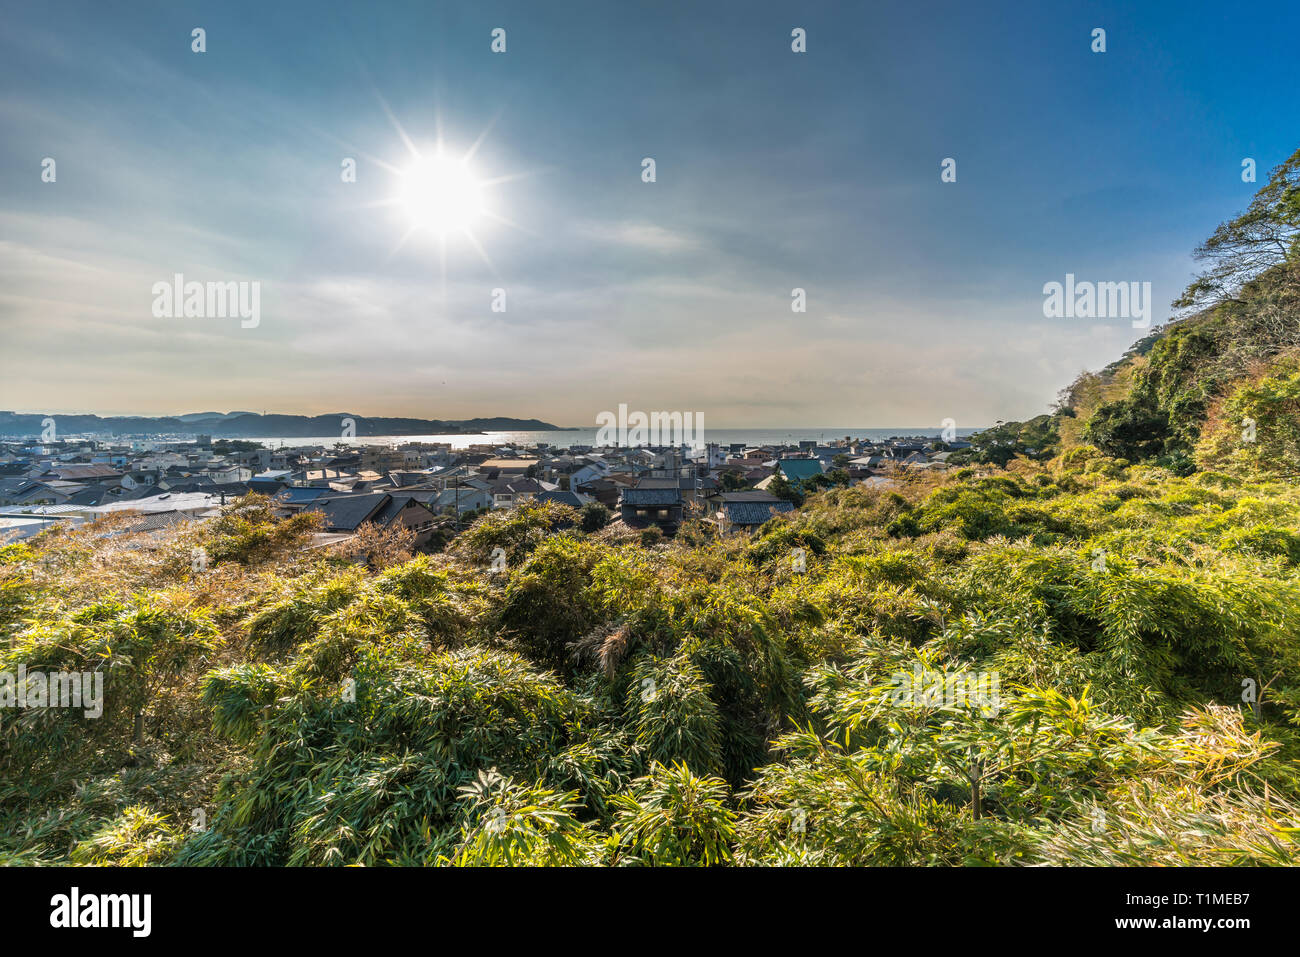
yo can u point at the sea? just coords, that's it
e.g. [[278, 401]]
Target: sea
[[565, 438]]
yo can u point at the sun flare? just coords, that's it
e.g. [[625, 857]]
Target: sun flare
[[441, 195], [446, 199]]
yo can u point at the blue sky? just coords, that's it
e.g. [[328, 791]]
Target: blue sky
[[774, 170]]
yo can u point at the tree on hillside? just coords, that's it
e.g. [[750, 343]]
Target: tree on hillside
[[1130, 429], [732, 481], [1267, 234], [1257, 427], [784, 489], [594, 516]]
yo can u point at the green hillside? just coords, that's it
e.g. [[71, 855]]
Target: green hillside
[[1184, 396]]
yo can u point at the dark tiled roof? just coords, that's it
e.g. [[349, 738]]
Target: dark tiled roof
[[100, 495], [426, 495], [84, 471], [346, 512], [92, 496], [753, 495], [149, 491], [228, 489], [395, 505], [158, 520], [753, 513], [301, 494], [683, 482], [401, 477], [652, 496], [28, 489], [517, 486]]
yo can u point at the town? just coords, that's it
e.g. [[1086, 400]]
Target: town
[[430, 488]]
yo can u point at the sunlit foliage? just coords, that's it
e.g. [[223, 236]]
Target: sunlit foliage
[[705, 701]]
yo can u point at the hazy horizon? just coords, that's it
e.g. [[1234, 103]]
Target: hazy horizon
[[559, 426]]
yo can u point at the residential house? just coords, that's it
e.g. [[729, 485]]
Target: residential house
[[40, 493], [507, 493], [84, 474], [640, 507], [347, 513], [410, 512], [798, 471], [499, 468], [188, 505], [563, 497], [141, 477], [745, 511], [694, 489], [603, 490], [226, 474], [460, 500]]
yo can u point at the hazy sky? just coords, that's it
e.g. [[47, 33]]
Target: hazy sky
[[774, 169]]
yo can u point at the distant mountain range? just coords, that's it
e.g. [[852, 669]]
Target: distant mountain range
[[234, 425]]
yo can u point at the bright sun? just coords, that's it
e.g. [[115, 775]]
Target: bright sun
[[441, 195]]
